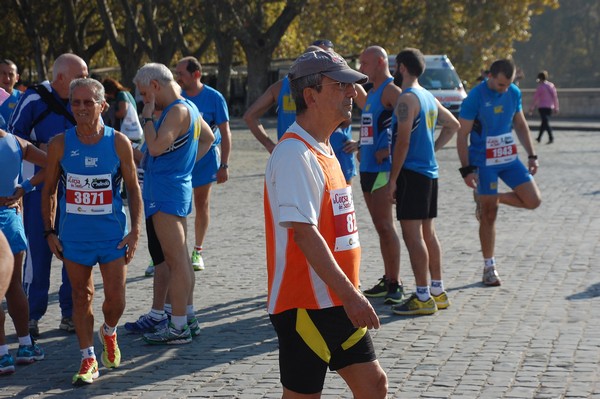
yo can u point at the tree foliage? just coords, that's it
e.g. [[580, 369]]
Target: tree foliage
[[256, 32]]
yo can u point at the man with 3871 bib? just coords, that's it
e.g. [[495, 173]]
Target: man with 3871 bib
[[313, 252]]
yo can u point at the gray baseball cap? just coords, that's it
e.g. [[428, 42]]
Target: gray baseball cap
[[326, 63]]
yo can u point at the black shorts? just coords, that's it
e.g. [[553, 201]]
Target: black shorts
[[416, 196], [154, 247], [372, 181], [312, 340]]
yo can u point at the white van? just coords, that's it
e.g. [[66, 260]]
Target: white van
[[441, 79]]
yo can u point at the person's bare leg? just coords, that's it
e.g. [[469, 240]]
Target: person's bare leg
[[82, 285]]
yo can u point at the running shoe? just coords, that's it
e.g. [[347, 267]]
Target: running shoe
[[490, 277], [27, 354], [111, 354], [88, 372], [149, 270], [34, 330], [394, 294], [146, 324], [169, 336], [379, 290], [414, 306], [66, 324], [441, 301], [194, 327], [197, 261], [7, 364]]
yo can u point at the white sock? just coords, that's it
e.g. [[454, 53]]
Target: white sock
[[437, 287], [25, 341], [108, 330], [489, 262], [157, 314], [179, 322], [168, 309], [88, 353], [189, 310], [423, 293], [3, 349]]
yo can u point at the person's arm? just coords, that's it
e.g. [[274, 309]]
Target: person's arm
[[49, 199], [319, 256], [257, 110], [522, 129], [462, 146], [449, 126], [37, 157], [134, 194], [555, 99], [206, 138], [406, 111], [174, 125], [223, 172], [361, 96]]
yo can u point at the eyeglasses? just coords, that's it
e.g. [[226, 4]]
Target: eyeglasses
[[87, 103], [341, 85]]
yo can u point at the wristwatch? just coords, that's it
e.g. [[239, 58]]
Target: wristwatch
[[145, 120], [224, 166]]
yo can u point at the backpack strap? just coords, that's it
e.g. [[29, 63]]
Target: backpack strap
[[53, 106]]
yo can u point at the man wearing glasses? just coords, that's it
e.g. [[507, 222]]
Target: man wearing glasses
[[42, 112], [313, 252]]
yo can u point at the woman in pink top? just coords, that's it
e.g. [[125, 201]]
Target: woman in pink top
[[546, 101]]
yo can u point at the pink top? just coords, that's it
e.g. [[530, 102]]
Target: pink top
[[545, 96]]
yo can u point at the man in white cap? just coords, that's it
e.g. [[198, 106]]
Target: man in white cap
[[313, 252]]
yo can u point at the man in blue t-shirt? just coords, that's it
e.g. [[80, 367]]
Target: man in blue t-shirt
[[487, 118], [214, 165], [9, 76]]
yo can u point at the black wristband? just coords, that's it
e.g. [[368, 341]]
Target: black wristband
[[48, 232], [467, 170], [534, 157], [224, 166]]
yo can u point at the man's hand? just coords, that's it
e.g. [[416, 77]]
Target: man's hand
[[361, 313], [55, 246], [471, 180], [130, 243]]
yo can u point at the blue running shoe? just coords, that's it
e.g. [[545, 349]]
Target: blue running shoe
[[27, 354], [7, 364], [146, 324], [194, 327]]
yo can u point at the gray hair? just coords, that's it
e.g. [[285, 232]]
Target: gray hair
[[153, 71], [297, 87], [92, 84]]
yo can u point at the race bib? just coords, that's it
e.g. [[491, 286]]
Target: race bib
[[346, 230], [366, 129], [89, 194], [500, 149]]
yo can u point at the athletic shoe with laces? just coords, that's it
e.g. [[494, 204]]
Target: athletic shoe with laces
[[7, 364], [379, 290], [27, 354], [490, 277], [34, 330], [414, 306], [111, 354], [441, 301], [146, 324], [197, 261], [149, 270], [394, 294], [88, 372], [66, 324], [194, 327], [169, 336]]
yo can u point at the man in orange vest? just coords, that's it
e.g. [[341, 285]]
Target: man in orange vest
[[313, 252]]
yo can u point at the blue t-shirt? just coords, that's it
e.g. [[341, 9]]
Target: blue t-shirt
[[421, 151], [493, 115], [286, 108], [11, 159], [347, 162], [7, 108], [375, 131], [213, 109], [91, 208]]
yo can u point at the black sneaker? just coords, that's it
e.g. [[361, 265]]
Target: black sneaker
[[394, 294], [379, 290]]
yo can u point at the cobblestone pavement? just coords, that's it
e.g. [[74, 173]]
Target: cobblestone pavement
[[537, 336]]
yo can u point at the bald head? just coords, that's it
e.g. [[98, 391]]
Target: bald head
[[67, 67], [374, 64]]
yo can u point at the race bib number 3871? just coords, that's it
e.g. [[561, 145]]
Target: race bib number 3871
[[346, 231], [89, 194]]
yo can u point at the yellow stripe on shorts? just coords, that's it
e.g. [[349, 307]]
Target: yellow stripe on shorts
[[312, 336], [381, 180], [354, 338]]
